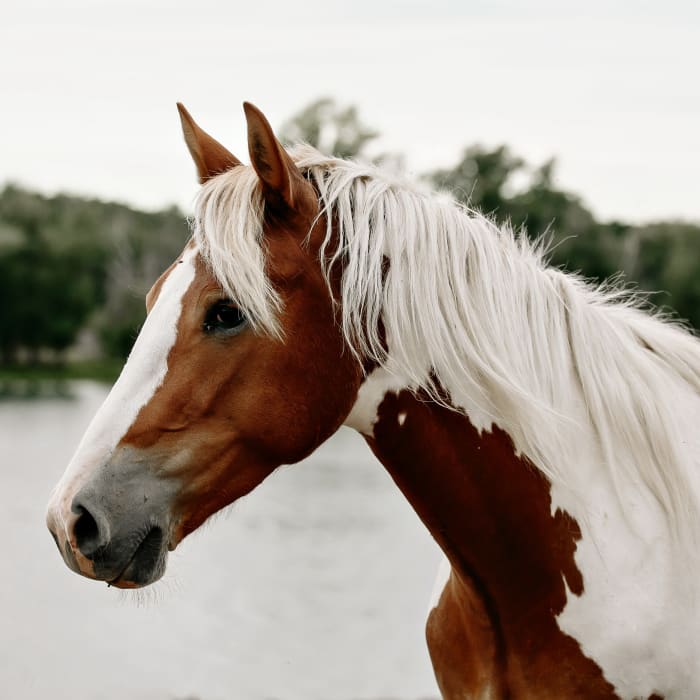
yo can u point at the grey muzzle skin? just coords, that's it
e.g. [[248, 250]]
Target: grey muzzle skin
[[122, 527]]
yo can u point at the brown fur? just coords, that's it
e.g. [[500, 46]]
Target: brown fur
[[495, 626]]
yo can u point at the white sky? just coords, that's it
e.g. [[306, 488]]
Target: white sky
[[612, 88]]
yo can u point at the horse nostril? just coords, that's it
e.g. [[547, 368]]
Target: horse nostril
[[88, 535]]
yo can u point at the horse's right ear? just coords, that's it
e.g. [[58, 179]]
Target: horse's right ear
[[210, 157]]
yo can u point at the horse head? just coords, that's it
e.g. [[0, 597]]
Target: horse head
[[215, 394]]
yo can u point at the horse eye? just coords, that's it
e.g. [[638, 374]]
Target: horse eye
[[224, 316]]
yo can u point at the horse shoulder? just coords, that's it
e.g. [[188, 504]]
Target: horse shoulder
[[461, 640]]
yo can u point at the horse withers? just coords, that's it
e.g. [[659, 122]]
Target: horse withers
[[544, 430]]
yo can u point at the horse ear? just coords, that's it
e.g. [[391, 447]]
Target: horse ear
[[210, 157], [282, 180]]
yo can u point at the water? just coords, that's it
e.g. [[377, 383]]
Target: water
[[314, 587]]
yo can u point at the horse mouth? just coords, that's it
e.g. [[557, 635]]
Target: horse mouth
[[147, 564]]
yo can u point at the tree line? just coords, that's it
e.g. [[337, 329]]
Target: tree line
[[69, 264], [72, 266]]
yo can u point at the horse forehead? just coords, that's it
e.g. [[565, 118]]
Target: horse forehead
[[190, 252]]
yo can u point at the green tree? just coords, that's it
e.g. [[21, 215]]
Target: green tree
[[333, 129], [46, 298], [662, 258], [67, 263], [481, 178]]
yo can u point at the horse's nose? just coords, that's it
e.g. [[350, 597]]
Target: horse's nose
[[91, 529], [107, 532]]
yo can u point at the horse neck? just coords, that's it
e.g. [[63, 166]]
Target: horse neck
[[488, 509], [543, 560], [491, 513]]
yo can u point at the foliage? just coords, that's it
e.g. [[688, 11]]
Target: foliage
[[664, 258], [47, 290], [661, 258], [332, 129], [65, 262], [480, 178]]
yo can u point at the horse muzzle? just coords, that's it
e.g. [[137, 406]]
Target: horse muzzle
[[116, 528]]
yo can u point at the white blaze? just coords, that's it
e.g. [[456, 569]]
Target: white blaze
[[141, 376]]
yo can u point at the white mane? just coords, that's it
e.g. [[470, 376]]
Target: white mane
[[472, 308]]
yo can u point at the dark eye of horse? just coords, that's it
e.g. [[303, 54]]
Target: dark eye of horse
[[224, 316]]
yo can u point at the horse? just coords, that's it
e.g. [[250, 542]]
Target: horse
[[544, 429]]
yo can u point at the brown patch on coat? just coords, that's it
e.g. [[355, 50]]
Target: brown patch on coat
[[490, 511]]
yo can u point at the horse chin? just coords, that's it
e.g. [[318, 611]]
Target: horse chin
[[147, 565]]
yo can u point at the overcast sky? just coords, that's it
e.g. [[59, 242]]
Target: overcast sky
[[611, 88]]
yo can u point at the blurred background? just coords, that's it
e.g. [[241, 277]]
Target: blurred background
[[576, 122]]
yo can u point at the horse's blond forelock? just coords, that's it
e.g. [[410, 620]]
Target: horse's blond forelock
[[228, 230], [472, 309]]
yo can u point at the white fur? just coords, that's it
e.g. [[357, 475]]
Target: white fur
[[639, 615], [602, 397], [140, 378], [443, 576], [363, 415]]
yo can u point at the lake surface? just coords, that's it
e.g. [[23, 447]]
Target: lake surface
[[314, 587]]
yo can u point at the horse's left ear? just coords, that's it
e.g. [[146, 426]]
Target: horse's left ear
[[210, 157], [282, 180]]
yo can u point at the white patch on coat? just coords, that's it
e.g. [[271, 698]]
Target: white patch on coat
[[638, 617], [376, 386], [443, 576], [141, 376], [401, 417]]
